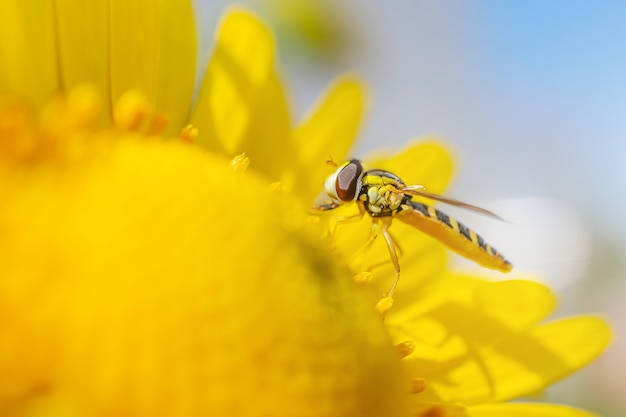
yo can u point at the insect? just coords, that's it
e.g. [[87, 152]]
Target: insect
[[384, 196]]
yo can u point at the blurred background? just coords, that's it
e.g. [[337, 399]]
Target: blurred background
[[530, 95]]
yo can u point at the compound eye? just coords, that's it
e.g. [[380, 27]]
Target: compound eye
[[348, 182]]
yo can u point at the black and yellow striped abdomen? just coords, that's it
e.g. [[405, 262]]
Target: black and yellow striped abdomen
[[452, 233]]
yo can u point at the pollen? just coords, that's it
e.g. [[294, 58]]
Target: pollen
[[278, 187]]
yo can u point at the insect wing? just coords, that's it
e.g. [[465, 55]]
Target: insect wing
[[420, 191], [453, 234]]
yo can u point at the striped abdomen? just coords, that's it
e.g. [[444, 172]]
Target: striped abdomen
[[453, 234]]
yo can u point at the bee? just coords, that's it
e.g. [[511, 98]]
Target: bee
[[384, 197]]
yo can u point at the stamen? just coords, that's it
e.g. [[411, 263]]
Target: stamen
[[189, 133], [384, 305], [364, 277], [131, 110], [240, 163], [418, 385], [65, 115], [435, 411], [158, 124], [405, 349], [278, 187]]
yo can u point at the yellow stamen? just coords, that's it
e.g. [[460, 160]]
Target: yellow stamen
[[158, 124], [240, 163], [131, 110], [405, 348], [189, 133], [384, 305], [364, 277], [418, 385]]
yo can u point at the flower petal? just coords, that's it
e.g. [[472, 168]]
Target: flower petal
[[328, 132], [83, 31], [28, 51], [135, 44], [177, 63], [471, 358], [241, 106], [526, 410], [427, 163], [516, 303]]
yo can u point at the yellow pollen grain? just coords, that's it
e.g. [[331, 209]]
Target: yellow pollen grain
[[312, 219], [240, 163], [278, 187]]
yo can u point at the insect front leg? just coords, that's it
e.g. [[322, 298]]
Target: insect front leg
[[346, 220]]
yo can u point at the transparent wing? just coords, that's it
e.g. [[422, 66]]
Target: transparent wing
[[420, 191]]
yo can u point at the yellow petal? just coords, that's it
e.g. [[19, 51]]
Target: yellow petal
[[521, 365], [517, 304], [241, 106], [134, 47], [28, 51], [514, 304], [426, 163], [472, 358], [526, 410], [328, 132], [177, 63], [83, 32]]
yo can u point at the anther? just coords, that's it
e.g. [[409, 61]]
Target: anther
[[384, 305], [418, 385], [240, 163], [188, 133], [364, 277], [405, 349], [131, 110], [158, 124]]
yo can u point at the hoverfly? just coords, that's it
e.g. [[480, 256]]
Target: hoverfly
[[384, 196]]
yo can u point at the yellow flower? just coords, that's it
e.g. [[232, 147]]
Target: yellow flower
[[141, 275]]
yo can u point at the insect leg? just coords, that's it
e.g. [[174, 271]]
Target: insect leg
[[325, 206], [347, 220], [392, 253]]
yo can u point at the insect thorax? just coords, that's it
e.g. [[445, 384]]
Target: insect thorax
[[379, 193]]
